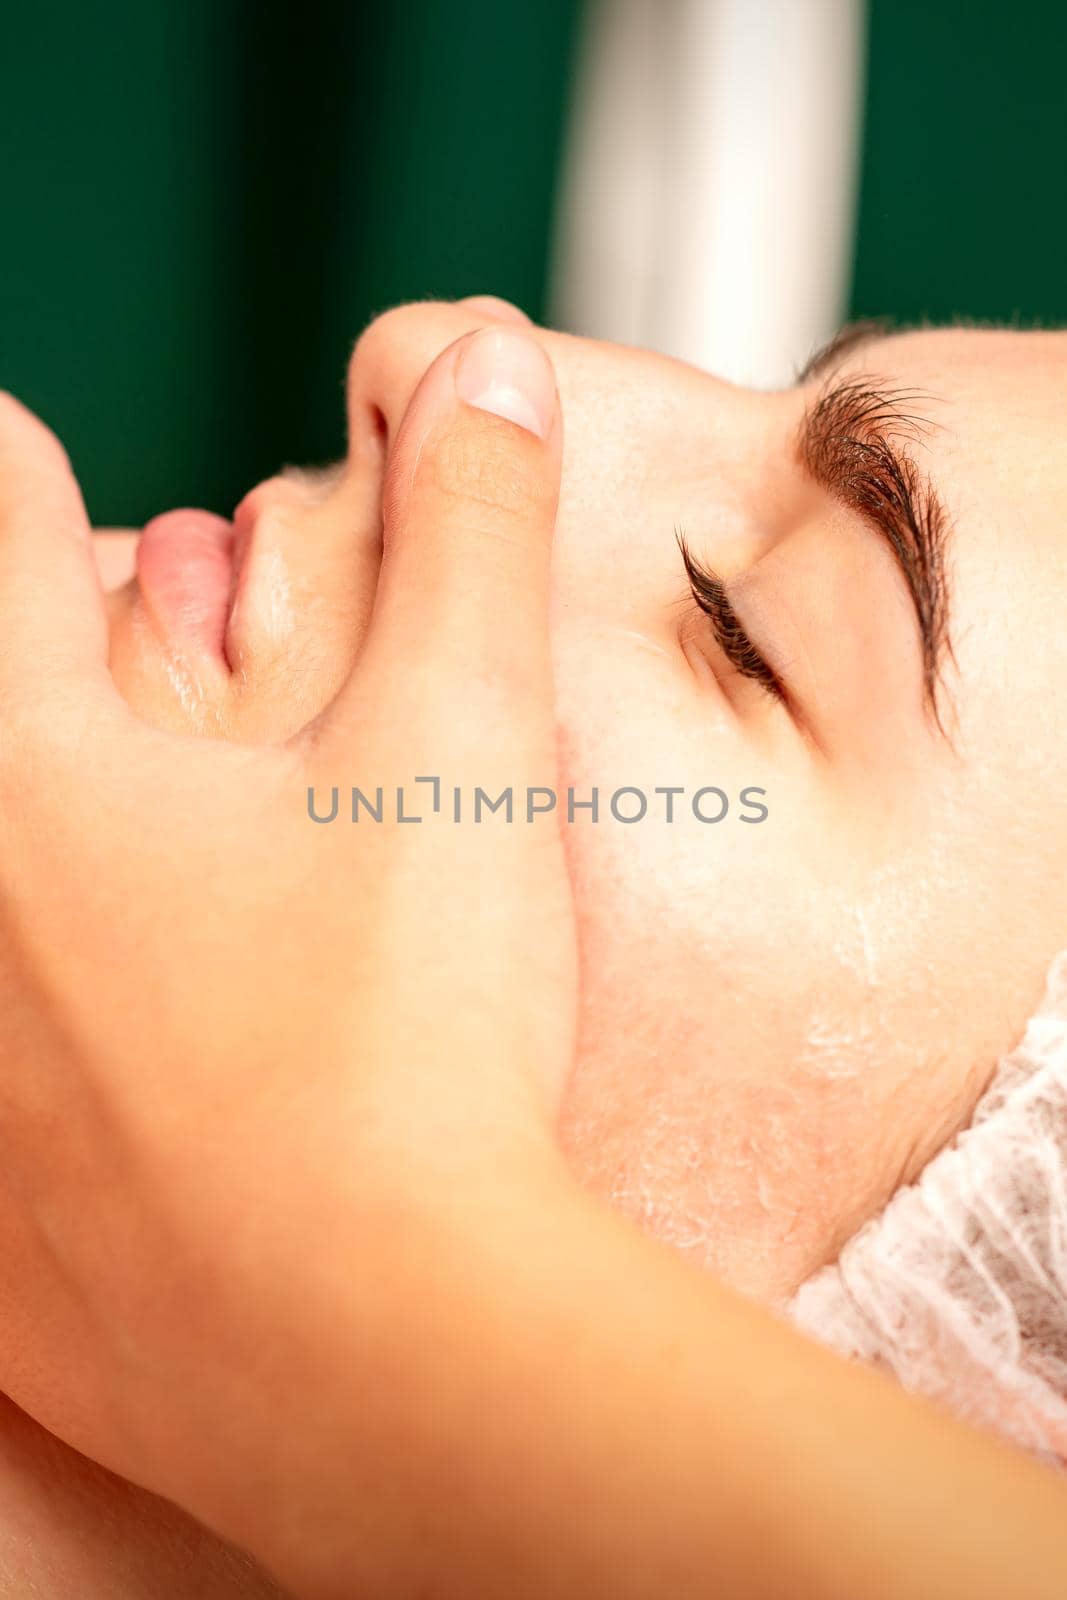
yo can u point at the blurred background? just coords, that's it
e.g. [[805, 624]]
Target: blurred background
[[203, 201]]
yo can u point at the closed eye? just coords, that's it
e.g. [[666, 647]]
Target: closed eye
[[709, 594]]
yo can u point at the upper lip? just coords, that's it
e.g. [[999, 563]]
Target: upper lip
[[185, 576], [207, 584], [190, 567], [247, 518]]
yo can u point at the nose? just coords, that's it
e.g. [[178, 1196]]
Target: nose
[[394, 352]]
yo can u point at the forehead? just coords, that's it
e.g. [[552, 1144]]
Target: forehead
[[996, 404], [1005, 366]]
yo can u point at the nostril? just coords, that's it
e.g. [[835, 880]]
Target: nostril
[[371, 433], [389, 361], [378, 428]]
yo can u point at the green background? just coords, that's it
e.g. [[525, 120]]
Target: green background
[[203, 201], [963, 194]]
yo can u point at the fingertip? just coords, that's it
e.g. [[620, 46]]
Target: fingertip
[[54, 621], [469, 502], [19, 424], [506, 372]]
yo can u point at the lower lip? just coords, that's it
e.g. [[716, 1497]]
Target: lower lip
[[185, 571]]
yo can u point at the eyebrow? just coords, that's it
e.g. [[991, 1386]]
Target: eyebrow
[[846, 342], [853, 442]]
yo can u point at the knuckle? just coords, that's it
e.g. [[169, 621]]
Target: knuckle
[[486, 468], [12, 411], [20, 429]]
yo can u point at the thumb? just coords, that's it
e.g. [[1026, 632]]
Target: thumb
[[458, 642], [55, 629]]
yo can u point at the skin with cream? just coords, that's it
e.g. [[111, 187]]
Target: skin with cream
[[780, 1024], [761, 1007]]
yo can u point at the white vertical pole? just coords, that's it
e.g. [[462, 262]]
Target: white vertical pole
[[710, 198]]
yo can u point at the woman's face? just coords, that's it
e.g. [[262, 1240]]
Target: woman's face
[[781, 1020]]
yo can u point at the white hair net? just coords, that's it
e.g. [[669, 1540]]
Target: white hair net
[[959, 1286]]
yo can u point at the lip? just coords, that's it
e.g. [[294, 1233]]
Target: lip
[[185, 570]]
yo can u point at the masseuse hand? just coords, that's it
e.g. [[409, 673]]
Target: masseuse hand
[[260, 1075], [283, 1230]]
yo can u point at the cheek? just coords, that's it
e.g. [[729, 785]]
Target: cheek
[[757, 1069], [691, 1107], [676, 1110], [755, 1063]]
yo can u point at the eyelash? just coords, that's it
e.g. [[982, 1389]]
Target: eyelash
[[850, 434], [709, 595]]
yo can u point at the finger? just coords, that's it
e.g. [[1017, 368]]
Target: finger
[[50, 596], [458, 641], [115, 554], [448, 719]]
